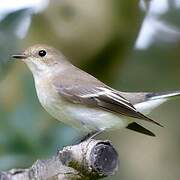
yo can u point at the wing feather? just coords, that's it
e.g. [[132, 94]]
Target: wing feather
[[99, 96]]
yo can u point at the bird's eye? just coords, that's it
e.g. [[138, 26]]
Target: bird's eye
[[42, 53]]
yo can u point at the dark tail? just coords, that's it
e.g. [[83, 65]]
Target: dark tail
[[138, 128]]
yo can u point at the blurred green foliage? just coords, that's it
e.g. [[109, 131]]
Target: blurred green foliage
[[98, 36], [8, 38]]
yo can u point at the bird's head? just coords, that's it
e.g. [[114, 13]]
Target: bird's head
[[42, 58]]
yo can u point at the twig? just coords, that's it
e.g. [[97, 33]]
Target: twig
[[91, 159]]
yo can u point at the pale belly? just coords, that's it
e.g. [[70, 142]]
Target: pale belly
[[95, 119], [80, 116], [85, 118]]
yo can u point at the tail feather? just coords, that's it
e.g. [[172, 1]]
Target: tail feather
[[138, 128], [153, 100], [154, 96]]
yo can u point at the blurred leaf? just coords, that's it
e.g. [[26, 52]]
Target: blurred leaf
[[9, 42]]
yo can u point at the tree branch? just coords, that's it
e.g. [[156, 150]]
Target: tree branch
[[91, 159]]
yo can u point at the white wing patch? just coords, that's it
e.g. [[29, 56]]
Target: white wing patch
[[94, 94], [108, 93]]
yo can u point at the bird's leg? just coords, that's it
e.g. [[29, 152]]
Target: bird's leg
[[91, 135]]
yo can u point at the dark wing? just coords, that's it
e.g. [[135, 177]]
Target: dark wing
[[94, 93]]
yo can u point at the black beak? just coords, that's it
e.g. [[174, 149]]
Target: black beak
[[19, 56]]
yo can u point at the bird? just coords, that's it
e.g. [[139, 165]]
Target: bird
[[80, 100]]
